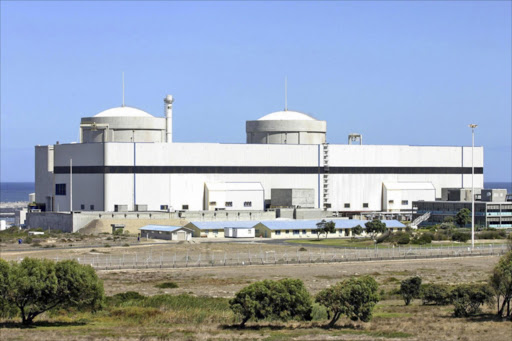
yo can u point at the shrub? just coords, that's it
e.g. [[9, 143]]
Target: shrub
[[302, 249], [284, 300], [35, 286], [410, 288], [404, 238], [167, 285], [424, 238], [123, 297], [355, 298], [492, 235], [467, 298], [435, 294], [460, 236]]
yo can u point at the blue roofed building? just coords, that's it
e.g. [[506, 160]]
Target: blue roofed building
[[166, 232]]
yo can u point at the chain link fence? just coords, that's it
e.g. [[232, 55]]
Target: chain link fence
[[143, 260]]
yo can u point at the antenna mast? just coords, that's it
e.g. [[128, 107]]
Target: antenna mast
[[123, 88], [285, 93]]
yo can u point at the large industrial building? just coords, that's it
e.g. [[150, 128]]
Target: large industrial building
[[126, 161]]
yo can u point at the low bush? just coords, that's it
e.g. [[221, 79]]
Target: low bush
[[166, 285], [435, 294], [424, 238], [283, 300], [303, 249], [468, 298], [355, 298], [492, 234], [123, 297], [460, 236]]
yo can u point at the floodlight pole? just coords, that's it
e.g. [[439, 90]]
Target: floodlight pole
[[473, 126]]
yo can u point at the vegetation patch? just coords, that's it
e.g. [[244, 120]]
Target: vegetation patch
[[167, 285]]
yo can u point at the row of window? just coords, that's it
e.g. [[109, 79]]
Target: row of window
[[404, 202], [91, 207], [347, 205], [230, 203]]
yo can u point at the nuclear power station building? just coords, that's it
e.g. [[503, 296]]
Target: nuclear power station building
[[126, 160]]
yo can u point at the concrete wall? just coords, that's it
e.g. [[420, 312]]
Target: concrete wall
[[393, 199], [50, 220]]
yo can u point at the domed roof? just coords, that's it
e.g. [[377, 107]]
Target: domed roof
[[123, 112], [286, 115]]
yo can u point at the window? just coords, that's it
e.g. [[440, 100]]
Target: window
[[296, 231], [82, 207], [215, 231], [229, 204], [347, 205], [391, 202], [92, 207], [303, 231], [405, 202], [248, 204], [213, 203], [365, 205], [60, 189], [278, 233], [206, 231], [164, 207], [333, 231], [347, 233], [287, 231], [184, 207]]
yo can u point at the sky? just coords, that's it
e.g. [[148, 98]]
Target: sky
[[397, 72]]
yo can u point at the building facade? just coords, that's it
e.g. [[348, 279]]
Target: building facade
[[126, 161]]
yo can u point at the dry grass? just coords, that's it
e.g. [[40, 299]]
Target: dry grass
[[194, 319]]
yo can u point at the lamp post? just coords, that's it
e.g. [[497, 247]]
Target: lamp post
[[473, 126]]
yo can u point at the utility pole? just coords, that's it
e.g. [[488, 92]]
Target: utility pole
[[473, 126]]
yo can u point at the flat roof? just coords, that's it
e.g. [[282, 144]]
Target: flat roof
[[164, 228], [207, 225], [311, 224]]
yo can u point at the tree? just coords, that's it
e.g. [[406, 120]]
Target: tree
[[463, 217], [410, 288], [467, 298], [501, 283], [374, 227], [325, 227], [357, 231], [355, 298], [284, 300], [35, 286]]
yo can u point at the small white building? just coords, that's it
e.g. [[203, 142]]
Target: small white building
[[239, 232], [234, 196], [398, 196]]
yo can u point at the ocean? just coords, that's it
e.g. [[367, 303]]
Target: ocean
[[19, 191], [15, 191]]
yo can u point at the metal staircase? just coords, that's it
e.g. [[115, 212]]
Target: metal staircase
[[326, 204], [420, 219]]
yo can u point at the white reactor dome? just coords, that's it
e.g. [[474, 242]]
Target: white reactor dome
[[122, 124], [286, 115], [286, 127], [123, 112]]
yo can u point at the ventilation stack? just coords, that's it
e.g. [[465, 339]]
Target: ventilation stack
[[168, 100]]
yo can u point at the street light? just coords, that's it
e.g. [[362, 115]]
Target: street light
[[472, 126]]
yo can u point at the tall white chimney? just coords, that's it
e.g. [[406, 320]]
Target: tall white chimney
[[168, 118]]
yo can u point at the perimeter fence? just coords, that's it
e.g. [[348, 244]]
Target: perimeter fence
[[184, 259]]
